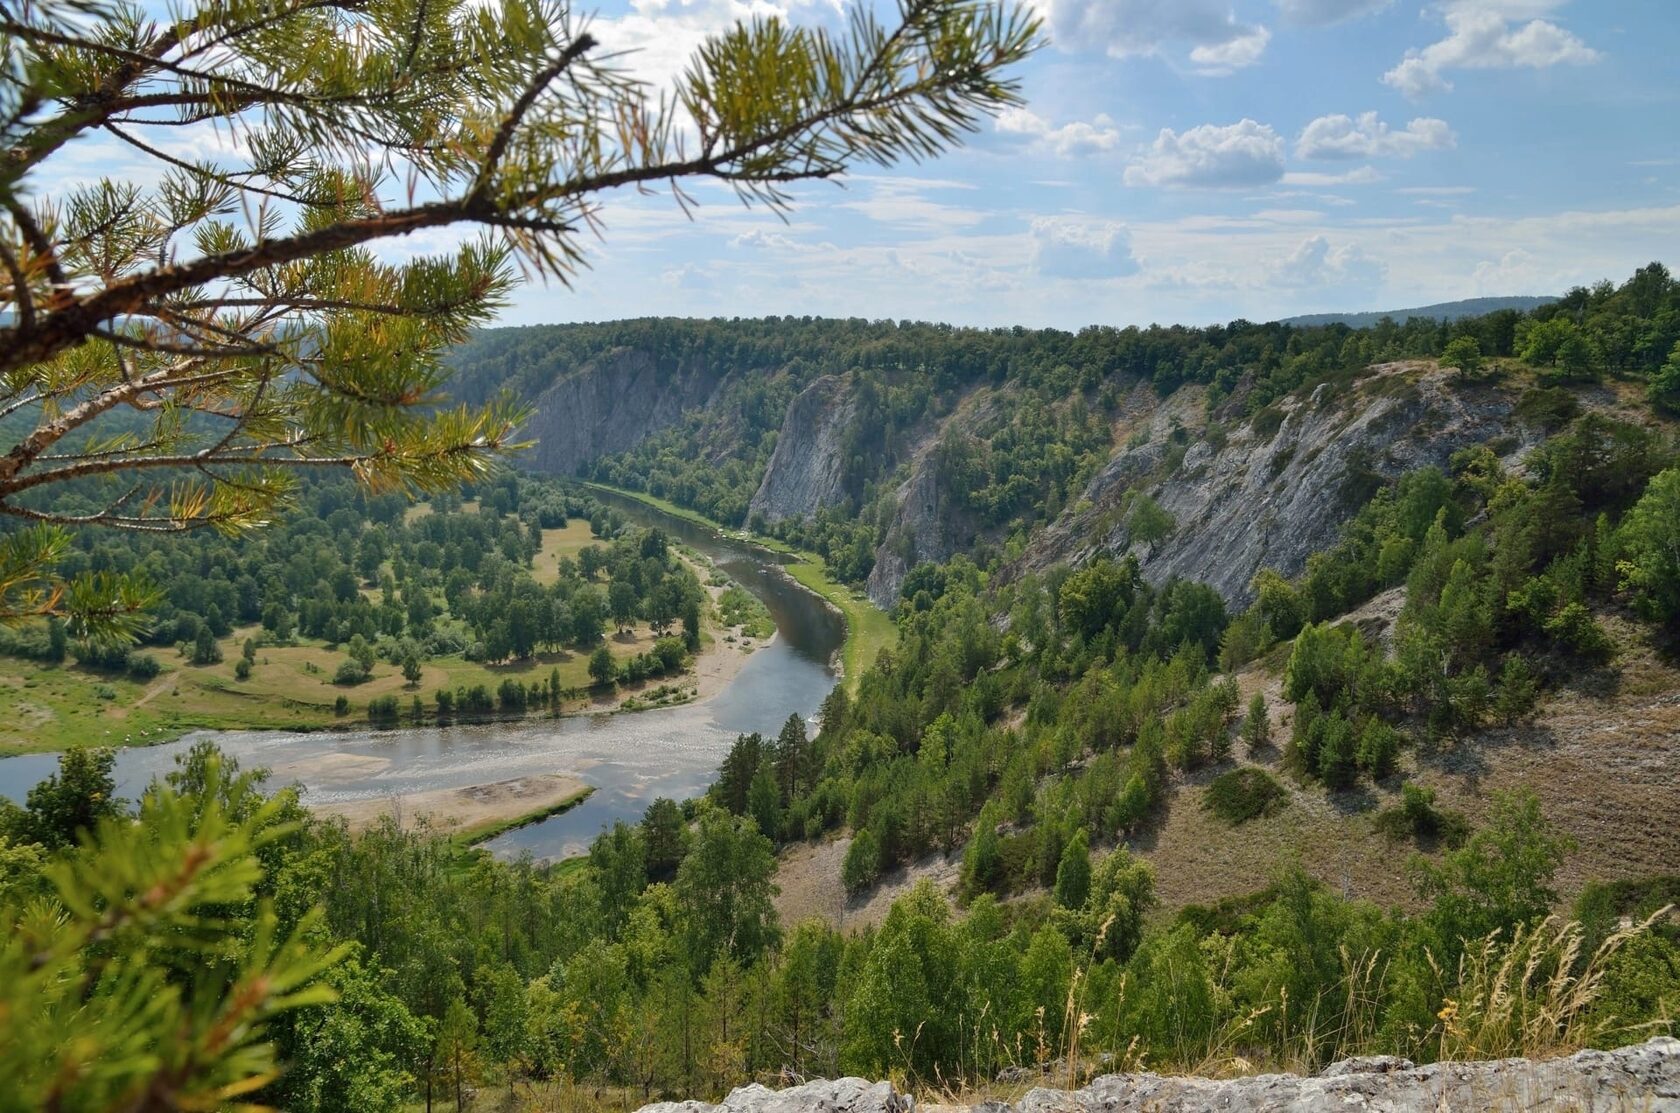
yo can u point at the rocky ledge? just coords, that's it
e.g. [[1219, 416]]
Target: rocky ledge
[[1644, 1077]]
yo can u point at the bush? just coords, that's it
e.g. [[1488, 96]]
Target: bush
[[1417, 818], [143, 666], [1243, 794], [350, 673], [383, 710]]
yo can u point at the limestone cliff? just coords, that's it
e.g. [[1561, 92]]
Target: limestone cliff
[[610, 405], [927, 526], [1272, 491], [806, 472], [1643, 1078]]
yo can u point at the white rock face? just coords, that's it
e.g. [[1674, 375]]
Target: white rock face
[[1644, 1078], [1272, 499], [806, 471]]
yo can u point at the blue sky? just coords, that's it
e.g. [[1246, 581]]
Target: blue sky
[[1199, 160]]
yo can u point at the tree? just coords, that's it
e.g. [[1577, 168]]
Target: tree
[[70, 801], [105, 1002], [455, 1056], [205, 651], [246, 293], [1464, 353], [1150, 521], [1073, 874], [1257, 724], [1500, 879], [602, 668], [621, 599], [1650, 539], [411, 670], [863, 862], [724, 886], [1664, 390]]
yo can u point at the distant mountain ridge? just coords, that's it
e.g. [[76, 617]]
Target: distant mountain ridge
[[1443, 311]]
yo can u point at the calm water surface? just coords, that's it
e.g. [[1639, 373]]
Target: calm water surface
[[629, 758]]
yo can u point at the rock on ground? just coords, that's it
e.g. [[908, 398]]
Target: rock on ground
[[1643, 1078]]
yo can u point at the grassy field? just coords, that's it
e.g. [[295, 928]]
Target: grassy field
[[290, 688], [558, 543], [868, 628]]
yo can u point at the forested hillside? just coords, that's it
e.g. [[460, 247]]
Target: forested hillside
[[913, 443]]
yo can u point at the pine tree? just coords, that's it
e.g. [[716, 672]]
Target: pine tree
[[1073, 875], [247, 293]]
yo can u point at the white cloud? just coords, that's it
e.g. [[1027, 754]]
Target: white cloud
[[1240, 155], [1218, 41], [1218, 59], [1322, 13], [764, 240], [1074, 138], [1436, 191], [1079, 248], [1365, 175], [1481, 34], [1342, 136], [904, 201], [1314, 262], [658, 37]]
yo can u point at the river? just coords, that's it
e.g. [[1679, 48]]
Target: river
[[629, 758]]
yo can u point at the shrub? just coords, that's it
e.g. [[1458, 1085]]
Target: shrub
[[1243, 794], [1417, 818], [143, 666], [383, 710], [350, 673]]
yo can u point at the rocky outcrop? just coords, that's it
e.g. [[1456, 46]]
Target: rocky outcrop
[[928, 526], [807, 470], [611, 405], [1643, 1078], [1270, 494]]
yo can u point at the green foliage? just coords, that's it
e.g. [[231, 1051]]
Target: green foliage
[[1073, 874], [1417, 818], [68, 803], [602, 668], [1650, 542], [1500, 878], [862, 864], [1243, 794], [251, 289], [1149, 521], [154, 968], [1464, 353]]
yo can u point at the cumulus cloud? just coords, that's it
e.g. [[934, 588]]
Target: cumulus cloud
[[1489, 34], [1216, 59], [1074, 247], [1218, 41], [1073, 138], [1314, 262], [1240, 155], [658, 37], [1322, 13], [1341, 136]]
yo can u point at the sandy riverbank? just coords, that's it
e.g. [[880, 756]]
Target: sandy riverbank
[[452, 809]]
